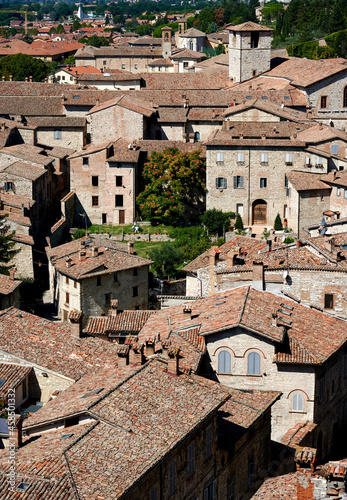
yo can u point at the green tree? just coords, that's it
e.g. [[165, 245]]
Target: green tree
[[76, 25], [278, 223], [70, 60], [97, 41], [107, 20], [216, 221], [7, 250], [166, 259], [239, 223], [60, 29], [176, 185], [21, 66]]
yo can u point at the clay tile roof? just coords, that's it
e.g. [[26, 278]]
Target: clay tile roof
[[188, 54], [124, 323], [31, 105], [305, 181], [15, 200], [161, 62], [8, 285], [248, 26], [25, 170], [174, 115], [11, 376], [278, 488], [297, 434], [269, 107], [306, 72], [44, 343], [192, 33], [107, 76], [321, 133], [26, 152], [108, 260], [336, 178]]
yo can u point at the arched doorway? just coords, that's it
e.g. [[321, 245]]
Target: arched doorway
[[259, 209]]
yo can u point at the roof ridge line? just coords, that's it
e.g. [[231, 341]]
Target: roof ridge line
[[244, 305]]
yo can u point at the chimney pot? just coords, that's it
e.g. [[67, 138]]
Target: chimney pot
[[15, 430], [26, 79], [130, 247], [30, 79], [11, 78], [12, 273], [3, 78], [75, 318]]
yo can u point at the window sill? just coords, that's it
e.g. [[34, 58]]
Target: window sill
[[298, 412]]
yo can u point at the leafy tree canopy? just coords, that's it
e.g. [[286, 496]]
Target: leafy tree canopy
[[216, 220], [21, 66], [176, 184], [166, 258]]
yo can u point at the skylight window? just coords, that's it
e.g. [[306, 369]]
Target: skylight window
[[92, 393], [2, 381], [65, 436], [23, 486], [76, 96]]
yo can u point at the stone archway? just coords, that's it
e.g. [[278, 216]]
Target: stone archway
[[259, 212]]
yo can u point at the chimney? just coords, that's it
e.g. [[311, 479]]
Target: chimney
[[23, 209], [68, 262], [113, 309], [12, 273], [211, 265], [123, 355], [75, 81], [173, 361], [268, 245], [274, 316], [330, 244], [230, 258], [150, 346], [187, 309], [75, 318], [130, 247], [136, 354], [305, 486], [11, 78], [62, 98], [15, 430], [335, 174], [30, 79], [3, 78], [46, 80], [97, 101], [82, 252], [258, 274], [95, 251], [26, 79]]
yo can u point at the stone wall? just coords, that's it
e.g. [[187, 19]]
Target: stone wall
[[311, 208], [111, 123], [288, 379], [246, 62], [24, 261], [72, 137]]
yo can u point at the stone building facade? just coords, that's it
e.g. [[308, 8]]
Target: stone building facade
[[103, 179]]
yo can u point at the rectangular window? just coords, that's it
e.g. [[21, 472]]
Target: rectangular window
[[67, 298], [115, 277], [319, 160], [231, 489], [107, 299], [240, 157], [104, 63], [334, 149], [238, 181], [135, 271], [154, 493], [321, 389], [95, 201], [123, 66], [95, 180], [288, 194], [185, 64], [345, 193], [135, 291], [75, 283], [8, 186], [338, 191], [209, 441], [119, 181], [308, 160], [57, 134], [210, 490], [263, 182], [285, 181], [85, 160], [98, 281], [67, 280], [172, 477], [328, 301], [221, 183], [104, 218], [251, 472], [119, 200], [323, 101], [220, 157], [191, 459], [289, 158], [263, 158]]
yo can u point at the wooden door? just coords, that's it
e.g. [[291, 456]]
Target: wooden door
[[121, 216], [259, 212]]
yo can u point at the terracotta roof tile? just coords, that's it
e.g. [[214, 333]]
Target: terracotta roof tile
[[12, 376], [305, 181], [124, 323]]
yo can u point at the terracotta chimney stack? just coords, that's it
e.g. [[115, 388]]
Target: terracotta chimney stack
[[114, 308], [30, 79], [173, 362], [130, 247], [15, 430], [11, 78], [12, 273]]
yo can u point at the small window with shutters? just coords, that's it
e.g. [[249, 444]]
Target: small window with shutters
[[221, 183], [154, 493], [240, 157], [297, 402], [289, 158], [334, 149], [224, 362], [220, 157], [57, 134], [263, 157], [191, 459], [251, 472], [209, 441], [172, 477], [253, 363], [238, 181], [210, 490]]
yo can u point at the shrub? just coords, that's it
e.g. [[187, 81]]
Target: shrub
[[278, 223]]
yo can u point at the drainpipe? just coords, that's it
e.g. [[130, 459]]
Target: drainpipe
[[249, 187]]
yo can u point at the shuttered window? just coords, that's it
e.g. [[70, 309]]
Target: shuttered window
[[253, 364], [224, 362], [238, 181], [172, 477], [240, 157], [298, 402], [220, 157], [263, 158], [191, 459], [221, 183], [289, 157]]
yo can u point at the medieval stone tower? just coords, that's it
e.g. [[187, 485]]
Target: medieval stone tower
[[249, 50], [166, 42]]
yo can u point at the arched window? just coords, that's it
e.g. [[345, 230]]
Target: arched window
[[197, 136], [224, 362], [298, 402], [191, 45], [345, 97], [253, 364]]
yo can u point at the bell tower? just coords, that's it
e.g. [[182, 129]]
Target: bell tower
[[249, 50], [166, 34]]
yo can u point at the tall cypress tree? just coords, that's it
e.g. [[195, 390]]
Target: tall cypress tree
[[7, 250]]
